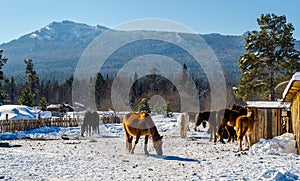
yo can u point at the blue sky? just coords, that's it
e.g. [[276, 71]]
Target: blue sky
[[233, 17]]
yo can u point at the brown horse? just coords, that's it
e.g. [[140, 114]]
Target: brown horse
[[244, 127], [210, 117], [227, 117], [141, 124]]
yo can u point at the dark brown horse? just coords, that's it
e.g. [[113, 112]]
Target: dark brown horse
[[90, 123], [141, 124], [210, 118], [227, 118], [86, 125]]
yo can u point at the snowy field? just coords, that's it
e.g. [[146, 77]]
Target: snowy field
[[46, 156]]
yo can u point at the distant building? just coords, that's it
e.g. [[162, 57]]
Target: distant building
[[56, 108]]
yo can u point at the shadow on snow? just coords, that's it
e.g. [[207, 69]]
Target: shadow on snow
[[175, 158]]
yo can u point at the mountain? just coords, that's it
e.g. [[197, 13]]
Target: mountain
[[56, 50]]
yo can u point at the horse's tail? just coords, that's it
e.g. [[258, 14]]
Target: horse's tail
[[239, 128]]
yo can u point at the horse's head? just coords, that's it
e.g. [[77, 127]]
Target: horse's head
[[158, 146], [242, 110], [199, 120], [250, 114]]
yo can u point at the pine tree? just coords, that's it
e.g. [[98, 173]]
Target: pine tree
[[31, 79], [185, 80], [184, 75], [12, 90], [43, 104], [62, 109], [27, 97], [270, 58], [6, 89], [169, 110], [144, 106], [100, 87], [3, 61]]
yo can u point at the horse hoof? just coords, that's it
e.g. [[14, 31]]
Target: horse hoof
[[222, 141]]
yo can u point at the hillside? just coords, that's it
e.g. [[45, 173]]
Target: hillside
[[56, 50]]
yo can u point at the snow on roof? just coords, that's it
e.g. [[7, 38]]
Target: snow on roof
[[53, 106], [267, 104], [18, 112], [292, 88], [57, 106]]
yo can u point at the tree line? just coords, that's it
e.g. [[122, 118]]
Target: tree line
[[35, 92]]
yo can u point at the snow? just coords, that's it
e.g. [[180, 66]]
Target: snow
[[46, 156], [18, 112], [268, 104], [281, 144], [33, 35]]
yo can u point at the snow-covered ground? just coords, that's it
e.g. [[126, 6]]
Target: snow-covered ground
[[49, 157]]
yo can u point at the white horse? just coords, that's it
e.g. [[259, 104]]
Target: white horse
[[183, 124]]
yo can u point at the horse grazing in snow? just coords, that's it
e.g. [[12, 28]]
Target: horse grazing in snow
[[141, 124], [183, 124], [90, 123], [244, 127], [210, 117], [86, 126]]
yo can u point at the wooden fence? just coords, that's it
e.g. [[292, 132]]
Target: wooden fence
[[25, 125], [106, 119]]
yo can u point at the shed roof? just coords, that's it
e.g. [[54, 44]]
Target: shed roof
[[268, 104], [292, 88]]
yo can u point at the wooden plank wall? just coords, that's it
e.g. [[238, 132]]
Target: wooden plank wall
[[296, 119], [258, 128], [267, 123]]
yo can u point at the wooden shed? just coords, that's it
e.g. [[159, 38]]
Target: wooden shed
[[292, 94], [271, 119]]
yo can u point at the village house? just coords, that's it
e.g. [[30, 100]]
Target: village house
[[292, 94]]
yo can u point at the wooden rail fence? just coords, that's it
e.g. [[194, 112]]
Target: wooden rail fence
[[25, 125]]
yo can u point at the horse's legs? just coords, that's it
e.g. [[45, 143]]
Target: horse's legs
[[83, 127], [248, 141], [230, 131], [129, 144], [145, 144], [211, 132], [221, 130], [215, 134], [240, 143], [136, 141], [128, 141]]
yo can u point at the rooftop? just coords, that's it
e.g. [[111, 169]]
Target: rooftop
[[292, 88]]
